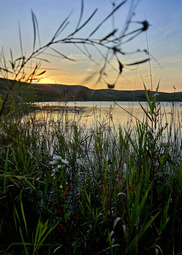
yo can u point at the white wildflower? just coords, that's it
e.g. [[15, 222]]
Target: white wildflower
[[53, 162], [56, 158], [64, 161]]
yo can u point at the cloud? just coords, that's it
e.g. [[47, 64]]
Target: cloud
[[77, 57]]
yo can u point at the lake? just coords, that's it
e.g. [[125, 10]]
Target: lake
[[119, 113], [112, 115]]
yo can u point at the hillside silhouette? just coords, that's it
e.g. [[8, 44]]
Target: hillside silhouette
[[58, 92]]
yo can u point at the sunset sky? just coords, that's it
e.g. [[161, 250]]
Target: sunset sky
[[164, 40]]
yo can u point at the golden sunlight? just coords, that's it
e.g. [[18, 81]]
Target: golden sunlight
[[47, 81]]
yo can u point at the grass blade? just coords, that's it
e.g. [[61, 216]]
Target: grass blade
[[114, 10], [35, 29], [81, 14], [21, 44], [140, 233], [23, 215], [91, 16], [138, 62]]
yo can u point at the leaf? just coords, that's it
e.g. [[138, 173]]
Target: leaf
[[62, 26], [140, 233], [23, 241], [81, 14], [120, 67], [43, 59], [109, 35], [64, 56], [102, 22], [35, 29], [145, 25], [11, 54], [127, 111], [5, 70], [116, 222], [21, 45], [30, 185], [139, 62], [110, 86], [91, 16], [41, 73], [23, 215], [145, 111]]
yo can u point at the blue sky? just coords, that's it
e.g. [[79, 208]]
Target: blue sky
[[164, 38]]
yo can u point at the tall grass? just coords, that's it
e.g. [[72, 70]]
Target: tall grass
[[94, 192], [67, 190]]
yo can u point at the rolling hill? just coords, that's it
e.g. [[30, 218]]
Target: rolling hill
[[58, 92]]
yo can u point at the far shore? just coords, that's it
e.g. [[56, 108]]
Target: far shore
[[58, 92]]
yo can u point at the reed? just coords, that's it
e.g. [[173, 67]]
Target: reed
[[103, 192], [68, 190]]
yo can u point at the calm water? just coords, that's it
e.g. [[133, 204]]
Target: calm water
[[124, 114], [89, 115]]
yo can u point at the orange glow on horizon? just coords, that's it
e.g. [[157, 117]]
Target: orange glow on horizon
[[46, 81], [129, 83]]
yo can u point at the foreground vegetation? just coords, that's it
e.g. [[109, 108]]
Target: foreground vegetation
[[67, 190]]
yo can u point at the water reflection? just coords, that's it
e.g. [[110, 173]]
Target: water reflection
[[87, 116], [90, 114]]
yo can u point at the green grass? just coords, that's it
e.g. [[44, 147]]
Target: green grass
[[103, 192], [68, 190]]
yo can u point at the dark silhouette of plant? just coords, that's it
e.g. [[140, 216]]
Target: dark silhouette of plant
[[111, 43]]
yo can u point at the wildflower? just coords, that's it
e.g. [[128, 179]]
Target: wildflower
[[53, 162], [56, 158], [64, 161]]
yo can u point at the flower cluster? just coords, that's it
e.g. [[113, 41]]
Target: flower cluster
[[58, 163]]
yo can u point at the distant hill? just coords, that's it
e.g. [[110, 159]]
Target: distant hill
[[58, 92]]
